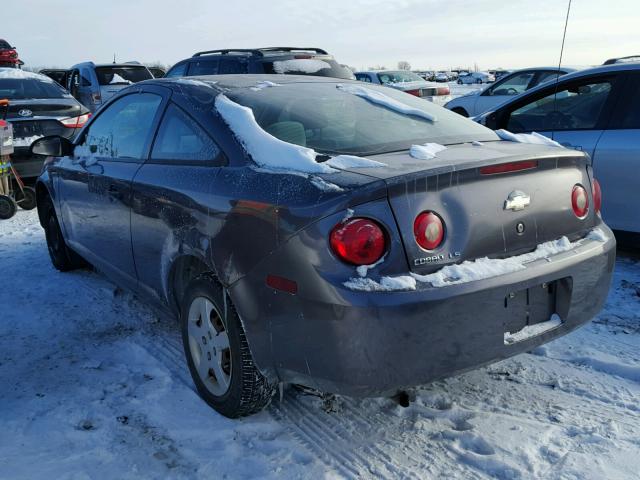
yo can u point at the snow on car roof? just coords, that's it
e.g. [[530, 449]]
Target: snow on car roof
[[16, 73]]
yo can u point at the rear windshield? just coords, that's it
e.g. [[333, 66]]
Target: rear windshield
[[25, 88], [329, 119], [399, 77], [308, 65], [122, 75]]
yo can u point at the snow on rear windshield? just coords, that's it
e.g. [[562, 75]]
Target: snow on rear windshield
[[122, 75], [354, 119], [20, 85]]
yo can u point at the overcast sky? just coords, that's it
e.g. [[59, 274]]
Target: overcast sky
[[361, 33]]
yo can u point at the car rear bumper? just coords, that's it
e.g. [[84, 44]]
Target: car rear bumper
[[374, 343]]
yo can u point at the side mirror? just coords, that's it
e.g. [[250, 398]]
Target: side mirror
[[52, 146]]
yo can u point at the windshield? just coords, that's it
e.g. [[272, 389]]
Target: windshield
[[398, 77], [310, 65], [330, 119], [4, 45], [122, 75], [25, 88]]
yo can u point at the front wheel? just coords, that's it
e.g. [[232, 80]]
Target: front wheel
[[218, 355], [62, 257]]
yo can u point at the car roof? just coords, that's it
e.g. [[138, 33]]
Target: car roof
[[95, 65], [240, 81], [261, 52]]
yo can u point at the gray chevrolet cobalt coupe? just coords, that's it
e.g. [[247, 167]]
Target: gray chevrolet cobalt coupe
[[349, 238]]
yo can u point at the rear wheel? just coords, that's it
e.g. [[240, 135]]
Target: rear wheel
[[62, 257], [8, 207], [218, 354]]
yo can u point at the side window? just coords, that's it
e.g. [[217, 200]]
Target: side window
[[576, 107], [513, 85], [181, 138], [232, 65], [627, 115], [363, 77], [122, 129], [204, 67], [546, 77], [177, 71]]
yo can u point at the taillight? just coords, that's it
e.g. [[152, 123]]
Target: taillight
[[76, 122], [508, 167], [359, 241], [428, 228], [597, 195], [413, 92], [443, 90], [580, 201]]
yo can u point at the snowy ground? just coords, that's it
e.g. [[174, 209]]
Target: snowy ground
[[93, 385]]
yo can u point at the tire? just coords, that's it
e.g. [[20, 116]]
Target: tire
[[62, 257], [479, 81], [8, 207], [26, 201], [460, 111], [223, 370]]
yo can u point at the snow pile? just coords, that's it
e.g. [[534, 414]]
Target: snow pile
[[25, 141], [350, 161], [530, 331], [426, 151], [379, 98], [532, 137], [264, 84], [597, 234], [471, 270], [305, 65], [364, 269], [118, 79], [16, 73]]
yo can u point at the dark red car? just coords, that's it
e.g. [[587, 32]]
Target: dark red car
[[8, 54]]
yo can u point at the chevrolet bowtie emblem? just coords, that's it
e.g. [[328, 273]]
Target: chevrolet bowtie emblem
[[517, 200]]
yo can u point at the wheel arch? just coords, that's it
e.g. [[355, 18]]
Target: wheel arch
[[42, 193], [184, 268]]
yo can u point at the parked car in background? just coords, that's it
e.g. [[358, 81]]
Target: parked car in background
[[479, 101], [60, 76], [441, 77], [8, 55], [157, 72], [263, 266], [38, 107], [596, 111], [407, 82], [280, 60], [475, 77], [92, 85]]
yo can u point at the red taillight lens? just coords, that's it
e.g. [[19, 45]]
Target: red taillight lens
[[428, 229], [444, 90], [580, 201], [413, 92], [597, 195], [359, 241], [508, 167], [76, 122]]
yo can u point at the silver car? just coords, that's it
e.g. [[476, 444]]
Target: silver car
[[510, 85], [596, 111], [408, 82], [92, 85]]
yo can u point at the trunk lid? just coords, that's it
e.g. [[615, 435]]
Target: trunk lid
[[474, 206]]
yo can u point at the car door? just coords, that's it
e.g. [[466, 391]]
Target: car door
[[501, 91], [86, 90], [95, 182], [573, 113], [172, 210], [616, 161]]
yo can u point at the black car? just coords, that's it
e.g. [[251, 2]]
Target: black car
[[38, 107], [303, 232], [278, 60]]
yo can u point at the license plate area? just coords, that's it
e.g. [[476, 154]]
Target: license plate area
[[530, 306], [26, 129]]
